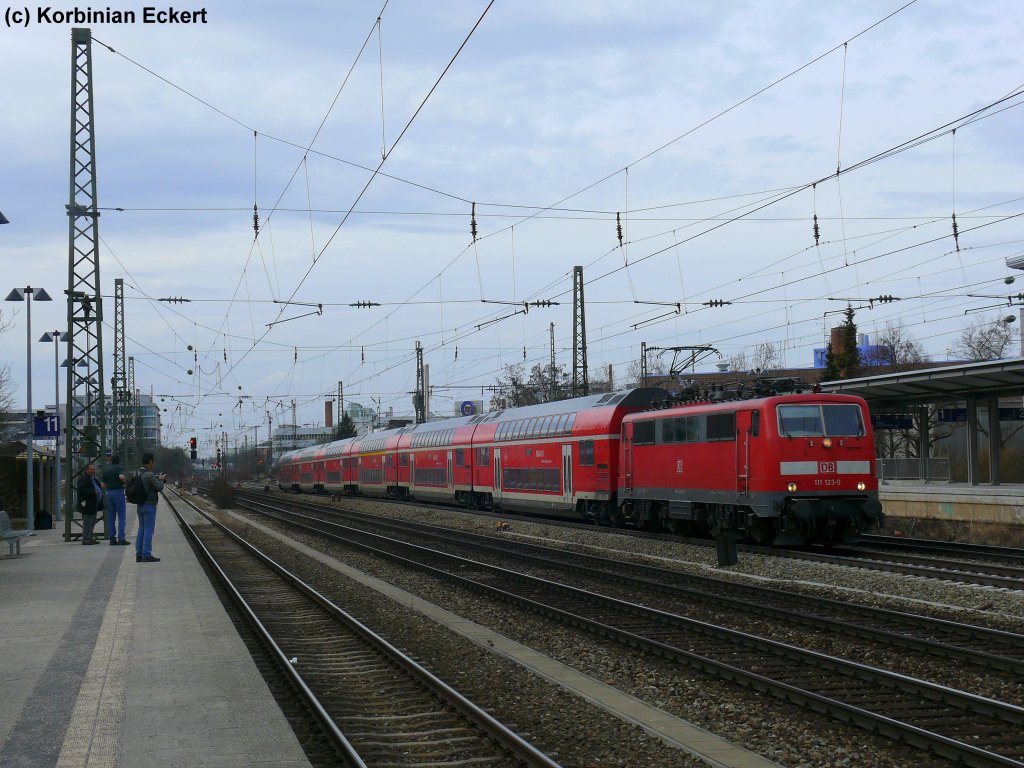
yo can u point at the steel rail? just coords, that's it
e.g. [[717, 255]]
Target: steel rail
[[676, 582], [999, 578], [489, 725], [920, 691], [345, 749]]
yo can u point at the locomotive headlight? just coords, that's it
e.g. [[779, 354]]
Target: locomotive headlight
[[791, 487], [827, 442], [861, 486]]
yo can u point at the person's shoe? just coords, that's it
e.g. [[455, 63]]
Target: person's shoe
[[151, 559], [139, 558], [122, 542], [113, 542], [89, 541]]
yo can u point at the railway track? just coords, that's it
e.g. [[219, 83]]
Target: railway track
[[969, 728], [1012, 556], [981, 646], [978, 571], [965, 572], [376, 705]]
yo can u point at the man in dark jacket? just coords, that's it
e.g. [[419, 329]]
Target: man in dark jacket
[[113, 484], [153, 484], [90, 500]]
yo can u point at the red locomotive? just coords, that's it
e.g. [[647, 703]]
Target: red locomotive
[[785, 469]]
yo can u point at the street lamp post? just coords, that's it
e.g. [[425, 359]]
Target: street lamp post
[[25, 294], [56, 337]]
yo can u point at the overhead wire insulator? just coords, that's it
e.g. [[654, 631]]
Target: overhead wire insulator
[[716, 303], [956, 234], [618, 226], [255, 221], [472, 223], [817, 231]]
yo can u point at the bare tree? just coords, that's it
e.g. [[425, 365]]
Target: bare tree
[[6, 388], [984, 340], [767, 358], [6, 382], [896, 350], [598, 380], [655, 367], [738, 362], [514, 388]]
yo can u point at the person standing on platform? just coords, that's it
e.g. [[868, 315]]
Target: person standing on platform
[[90, 500], [153, 484], [113, 483]]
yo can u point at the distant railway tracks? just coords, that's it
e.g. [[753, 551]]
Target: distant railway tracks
[[974, 571], [990, 566], [967, 727], [375, 705]]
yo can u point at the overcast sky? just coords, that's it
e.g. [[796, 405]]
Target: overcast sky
[[552, 119]]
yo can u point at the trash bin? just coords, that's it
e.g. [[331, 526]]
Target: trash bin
[[44, 521]]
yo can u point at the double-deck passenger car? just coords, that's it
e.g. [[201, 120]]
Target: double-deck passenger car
[[784, 469]]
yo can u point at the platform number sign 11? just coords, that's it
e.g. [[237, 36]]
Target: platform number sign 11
[[46, 426]]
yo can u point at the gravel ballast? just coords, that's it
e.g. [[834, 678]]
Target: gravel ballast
[[577, 733]]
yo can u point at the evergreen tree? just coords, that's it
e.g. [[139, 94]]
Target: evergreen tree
[[845, 362], [345, 428]]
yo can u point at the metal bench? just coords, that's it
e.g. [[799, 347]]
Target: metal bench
[[11, 536]]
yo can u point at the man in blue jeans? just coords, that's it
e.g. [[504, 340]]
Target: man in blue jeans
[[113, 483], [153, 484]]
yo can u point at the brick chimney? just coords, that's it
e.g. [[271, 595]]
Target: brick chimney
[[837, 340], [329, 413]]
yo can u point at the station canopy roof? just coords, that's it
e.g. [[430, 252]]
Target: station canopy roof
[[994, 378]]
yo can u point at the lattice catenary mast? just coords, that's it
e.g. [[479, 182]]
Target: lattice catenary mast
[[85, 418], [580, 377]]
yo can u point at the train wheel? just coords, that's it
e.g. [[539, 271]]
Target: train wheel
[[682, 527], [761, 530]]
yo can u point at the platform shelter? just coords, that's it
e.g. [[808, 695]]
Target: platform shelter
[[978, 385]]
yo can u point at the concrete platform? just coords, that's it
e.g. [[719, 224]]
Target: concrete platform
[[954, 501], [109, 663]]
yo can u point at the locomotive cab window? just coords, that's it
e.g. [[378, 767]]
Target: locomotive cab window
[[643, 433], [814, 420], [843, 420]]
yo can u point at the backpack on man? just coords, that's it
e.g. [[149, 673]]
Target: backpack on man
[[135, 492]]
